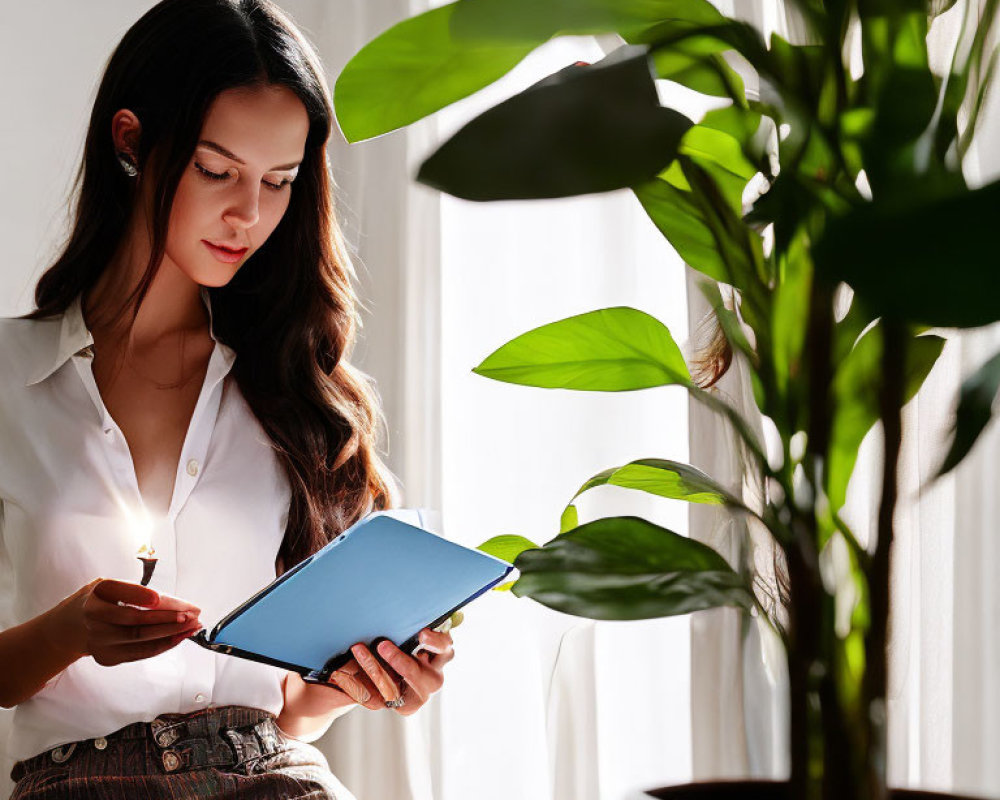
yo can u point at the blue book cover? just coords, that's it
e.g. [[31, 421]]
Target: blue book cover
[[383, 578]]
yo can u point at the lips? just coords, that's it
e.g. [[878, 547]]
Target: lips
[[225, 253]]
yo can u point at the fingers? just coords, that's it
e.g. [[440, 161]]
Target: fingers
[[353, 682], [367, 682], [385, 684], [435, 641], [176, 604], [111, 614], [103, 633], [418, 676], [118, 654], [113, 591]]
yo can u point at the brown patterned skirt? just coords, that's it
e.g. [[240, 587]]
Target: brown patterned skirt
[[231, 752]]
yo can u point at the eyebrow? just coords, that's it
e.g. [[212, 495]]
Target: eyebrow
[[218, 148]]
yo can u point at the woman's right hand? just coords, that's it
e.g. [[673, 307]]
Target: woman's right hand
[[115, 621]]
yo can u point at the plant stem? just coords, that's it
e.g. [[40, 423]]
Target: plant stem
[[876, 674], [806, 661]]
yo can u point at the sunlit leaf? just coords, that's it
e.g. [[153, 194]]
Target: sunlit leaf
[[506, 547], [722, 156], [791, 313], [609, 350], [628, 568], [664, 478], [539, 20], [569, 519], [679, 218], [414, 69], [696, 63]]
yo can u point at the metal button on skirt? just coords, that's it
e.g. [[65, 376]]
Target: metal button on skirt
[[231, 752]]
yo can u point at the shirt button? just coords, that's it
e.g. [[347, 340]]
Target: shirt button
[[199, 698], [100, 743], [192, 467], [171, 760]]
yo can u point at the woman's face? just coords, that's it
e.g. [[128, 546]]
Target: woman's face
[[237, 185]]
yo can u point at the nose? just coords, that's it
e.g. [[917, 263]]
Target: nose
[[244, 210]]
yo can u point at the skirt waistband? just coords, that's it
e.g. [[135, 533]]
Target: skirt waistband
[[226, 736]]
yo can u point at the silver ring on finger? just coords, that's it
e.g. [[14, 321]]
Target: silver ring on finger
[[400, 701]]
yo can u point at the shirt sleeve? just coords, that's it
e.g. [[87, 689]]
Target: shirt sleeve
[[309, 738]]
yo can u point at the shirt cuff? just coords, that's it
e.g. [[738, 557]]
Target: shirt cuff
[[311, 737]]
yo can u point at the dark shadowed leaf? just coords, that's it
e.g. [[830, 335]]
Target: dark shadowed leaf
[[414, 69], [975, 409], [609, 350], [628, 568], [585, 129], [935, 263]]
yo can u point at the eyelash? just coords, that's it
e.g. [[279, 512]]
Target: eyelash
[[221, 176]]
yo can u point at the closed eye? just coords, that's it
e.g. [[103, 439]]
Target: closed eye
[[212, 176], [221, 176], [278, 186]]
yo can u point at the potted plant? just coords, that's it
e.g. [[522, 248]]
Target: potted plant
[[840, 180]]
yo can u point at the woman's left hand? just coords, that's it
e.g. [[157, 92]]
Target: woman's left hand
[[411, 678]]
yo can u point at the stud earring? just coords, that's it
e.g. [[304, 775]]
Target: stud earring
[[128, 164]]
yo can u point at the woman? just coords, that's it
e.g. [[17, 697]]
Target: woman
[[185, 372]]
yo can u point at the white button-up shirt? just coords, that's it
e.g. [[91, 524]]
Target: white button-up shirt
[[69, 505]]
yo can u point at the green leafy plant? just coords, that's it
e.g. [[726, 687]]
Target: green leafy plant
[[859, 185]]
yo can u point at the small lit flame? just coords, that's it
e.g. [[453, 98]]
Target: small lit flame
[[142, 530]]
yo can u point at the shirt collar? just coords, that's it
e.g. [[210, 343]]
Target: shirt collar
[[76, 340]]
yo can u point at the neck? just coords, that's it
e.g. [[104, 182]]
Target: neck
[[172, 303]]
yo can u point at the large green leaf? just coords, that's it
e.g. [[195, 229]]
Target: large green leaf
[[740, 123], [665, 478], [679, 218], [856, 401], [721, 155], [975, 409], [539, 20], [660, 477], [608, 350], [507, 547], [628, 568], [933, 262], [791, 313], [696, 62], [414, 69], [585, 129]]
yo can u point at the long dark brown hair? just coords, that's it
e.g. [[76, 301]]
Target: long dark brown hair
[[290, 313]]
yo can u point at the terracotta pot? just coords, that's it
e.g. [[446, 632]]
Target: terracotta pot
[[766, 790]]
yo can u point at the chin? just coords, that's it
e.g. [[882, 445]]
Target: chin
[[214, 281], [214, 275]]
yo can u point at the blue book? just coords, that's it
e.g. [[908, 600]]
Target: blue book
[[382, 578]]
